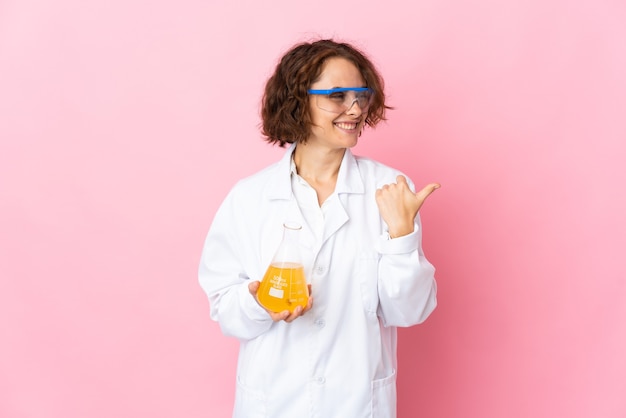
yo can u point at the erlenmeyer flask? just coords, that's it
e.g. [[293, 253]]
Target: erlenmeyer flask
[[284, 286]]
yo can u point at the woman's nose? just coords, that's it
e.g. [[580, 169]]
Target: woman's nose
[[354, 108]]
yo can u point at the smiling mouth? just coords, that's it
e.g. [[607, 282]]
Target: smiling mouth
[[347, 125]]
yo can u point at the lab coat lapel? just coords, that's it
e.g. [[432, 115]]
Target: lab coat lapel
[[279, 185], [336, 217], [348, 181], [284, 205]]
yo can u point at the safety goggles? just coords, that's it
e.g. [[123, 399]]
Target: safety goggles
[[339, 100]]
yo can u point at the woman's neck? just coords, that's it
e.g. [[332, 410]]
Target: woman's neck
[[319, 168], [317, 164]]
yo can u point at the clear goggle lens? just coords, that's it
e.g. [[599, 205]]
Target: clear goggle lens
[[341, 99]]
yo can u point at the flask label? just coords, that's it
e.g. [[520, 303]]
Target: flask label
[[277, 293]]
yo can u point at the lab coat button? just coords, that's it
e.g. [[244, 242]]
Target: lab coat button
[[320, 380], [320, 323], [320, 269]]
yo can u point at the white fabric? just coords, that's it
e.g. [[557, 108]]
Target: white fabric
[[306, 197], [339, 359]]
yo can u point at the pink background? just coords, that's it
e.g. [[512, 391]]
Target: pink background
[[124, 123]]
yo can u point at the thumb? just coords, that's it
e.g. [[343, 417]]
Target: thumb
[[253, 287], [426, 191]]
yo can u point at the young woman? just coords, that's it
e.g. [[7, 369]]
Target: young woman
[[360, 243]]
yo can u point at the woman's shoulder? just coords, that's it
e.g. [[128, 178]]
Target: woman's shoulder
[[257, 182]]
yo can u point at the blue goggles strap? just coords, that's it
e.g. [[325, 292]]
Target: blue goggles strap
[[340, 89]]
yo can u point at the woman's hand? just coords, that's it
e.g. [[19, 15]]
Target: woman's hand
[[286, 316], [398, 205]]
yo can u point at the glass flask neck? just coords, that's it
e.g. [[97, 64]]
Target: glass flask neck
[[288, 250], [290, 231]]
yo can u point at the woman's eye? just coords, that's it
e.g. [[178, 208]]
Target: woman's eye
[[339, 96]]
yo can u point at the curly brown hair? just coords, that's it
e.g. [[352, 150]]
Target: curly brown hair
[[284, 109]]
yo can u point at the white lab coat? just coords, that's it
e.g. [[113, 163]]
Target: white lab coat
[[339, 359]]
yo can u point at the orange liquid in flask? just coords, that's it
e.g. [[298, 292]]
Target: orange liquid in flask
[[283, 287]]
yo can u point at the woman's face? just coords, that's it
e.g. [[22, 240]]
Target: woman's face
[[331, 129]]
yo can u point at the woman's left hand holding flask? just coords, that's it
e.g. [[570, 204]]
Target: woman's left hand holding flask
[[286, 316]]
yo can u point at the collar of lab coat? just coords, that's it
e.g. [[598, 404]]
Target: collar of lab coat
[[348, 180]]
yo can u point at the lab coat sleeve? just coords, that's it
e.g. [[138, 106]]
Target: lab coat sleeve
[[223, 278], [407, 289]]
